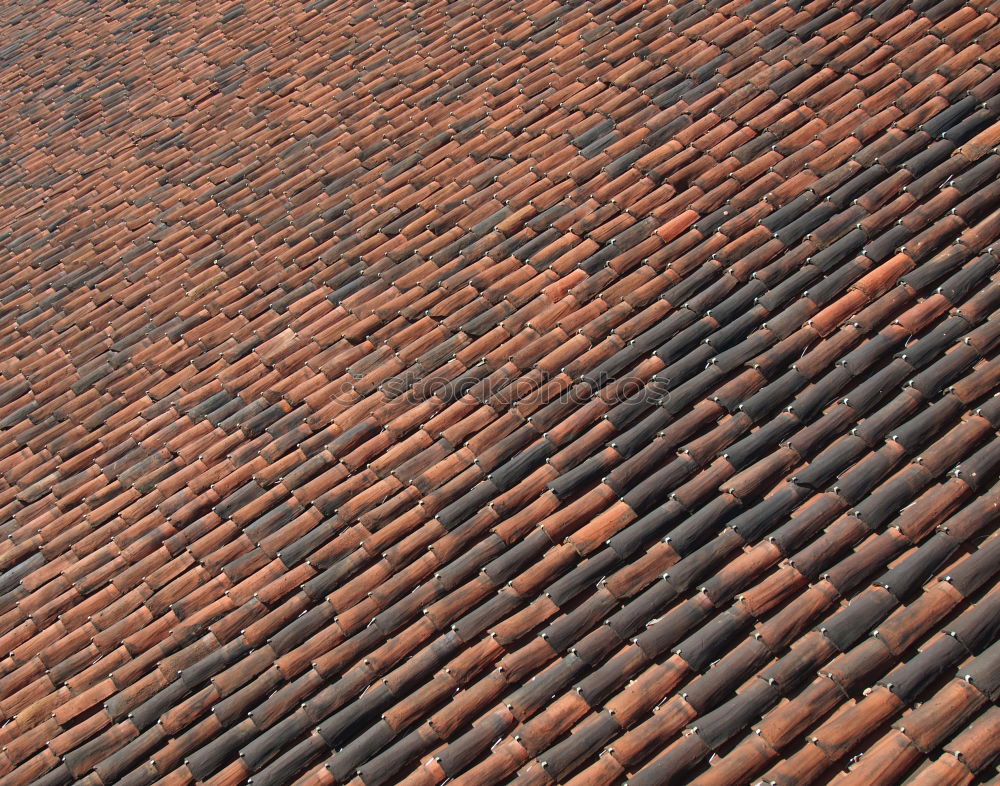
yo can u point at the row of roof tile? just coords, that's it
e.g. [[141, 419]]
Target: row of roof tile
[[569, 394]]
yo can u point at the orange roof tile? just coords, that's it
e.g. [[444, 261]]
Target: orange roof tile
[[562, 393]]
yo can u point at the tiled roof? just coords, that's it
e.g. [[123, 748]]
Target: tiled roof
[[572, 393]]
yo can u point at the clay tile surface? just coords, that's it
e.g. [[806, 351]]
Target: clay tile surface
[[485, 392]]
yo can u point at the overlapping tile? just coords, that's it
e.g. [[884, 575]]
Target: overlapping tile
[[561, 393]]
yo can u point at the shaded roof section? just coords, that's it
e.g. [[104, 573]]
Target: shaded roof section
[[566, 393]]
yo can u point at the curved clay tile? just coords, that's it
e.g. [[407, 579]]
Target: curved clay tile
[[588, 393]]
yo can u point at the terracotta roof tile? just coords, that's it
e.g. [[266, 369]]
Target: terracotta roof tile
[[483, 392]]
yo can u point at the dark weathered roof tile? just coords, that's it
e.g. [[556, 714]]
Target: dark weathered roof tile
[[414, 355]]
